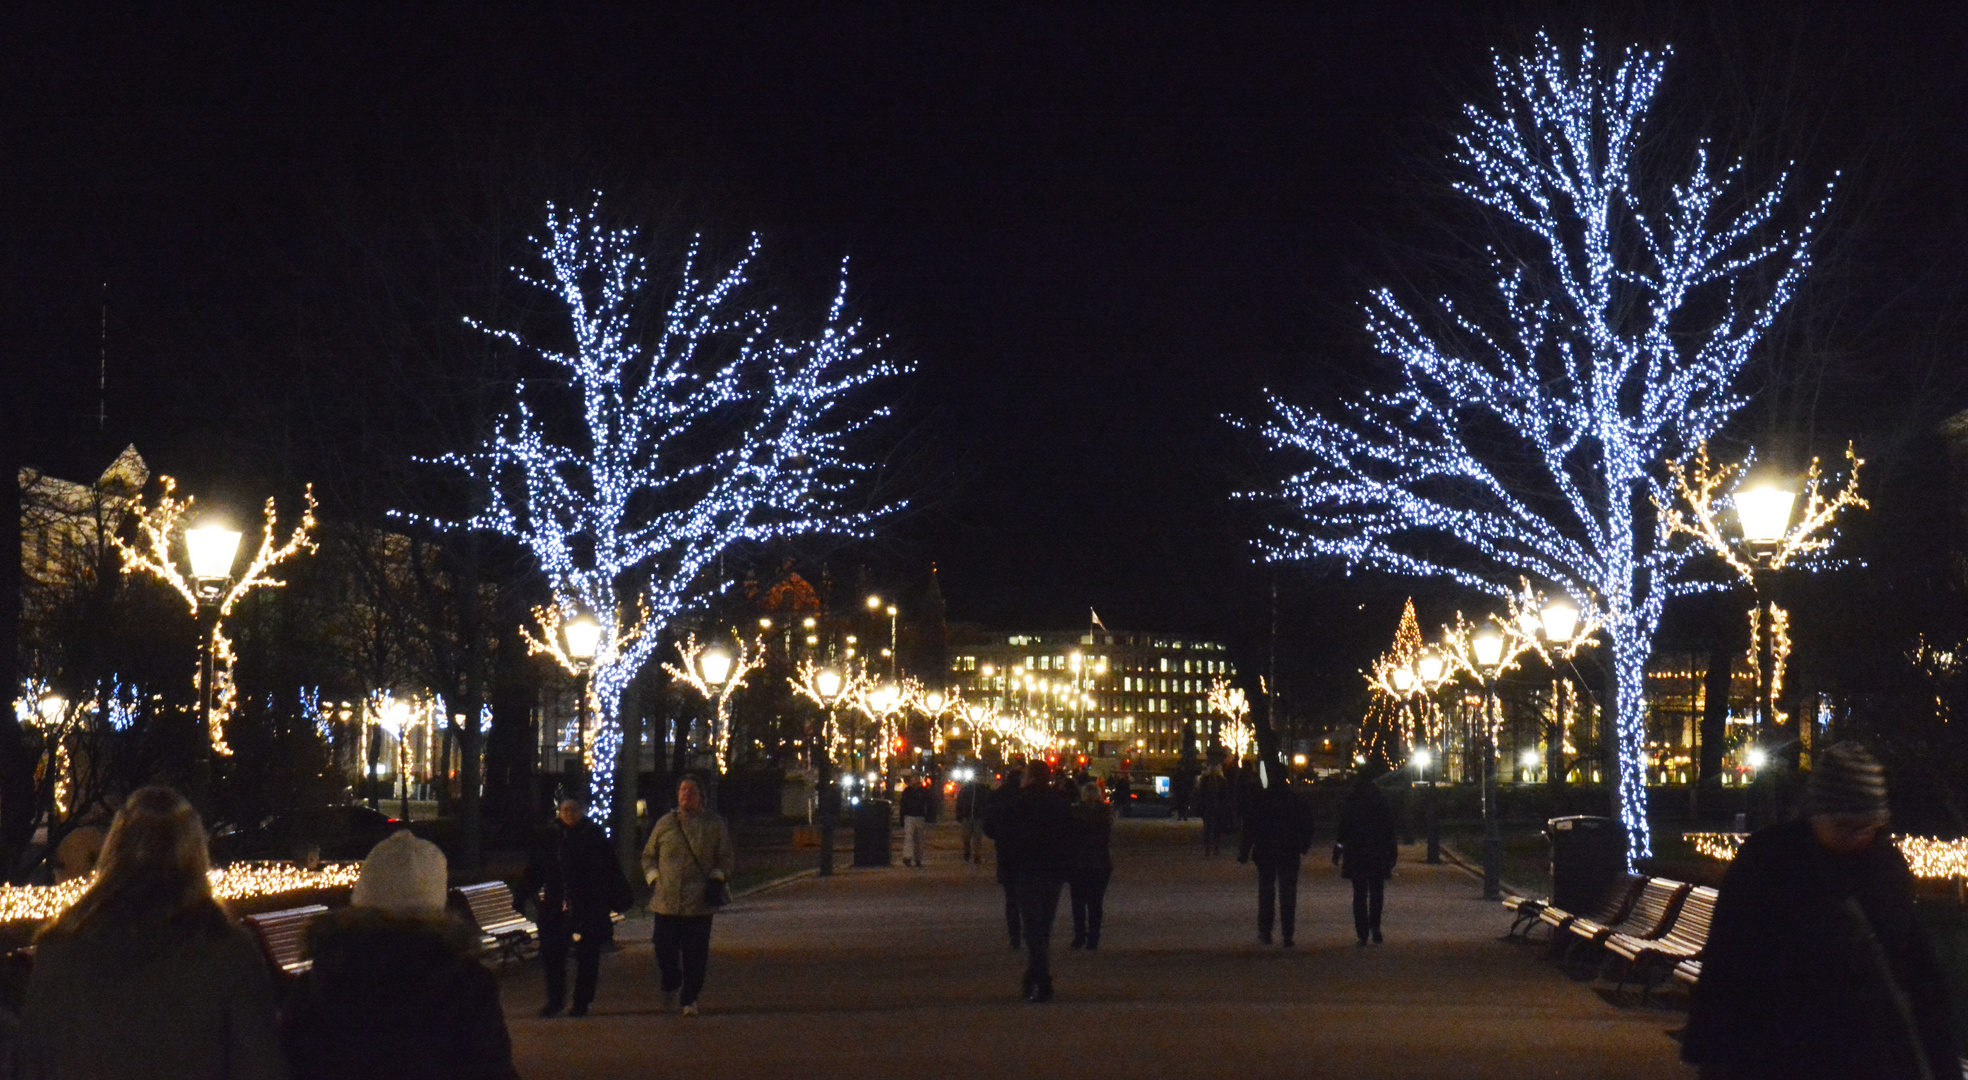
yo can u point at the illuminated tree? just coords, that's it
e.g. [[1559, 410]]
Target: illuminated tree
[[655, 449], [1528, 427]]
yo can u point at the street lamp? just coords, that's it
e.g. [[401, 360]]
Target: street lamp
[[395, 719], [1488, 647], [1763, 512], [828, 684], [583, 636], [211, 549]]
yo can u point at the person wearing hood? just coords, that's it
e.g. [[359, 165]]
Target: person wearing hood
[[144, 975], [396, 991]]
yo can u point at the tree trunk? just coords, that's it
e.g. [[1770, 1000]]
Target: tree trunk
[[628, 764], [1715, 716]]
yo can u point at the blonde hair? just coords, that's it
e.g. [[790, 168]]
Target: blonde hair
[[1092, 792], [153, 864]]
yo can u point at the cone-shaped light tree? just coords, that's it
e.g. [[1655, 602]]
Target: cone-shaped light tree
[[661, 443], [1529, 419]]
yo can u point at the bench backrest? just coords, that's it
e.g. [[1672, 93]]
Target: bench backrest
[[1618, 900], [283, 934], [490, 902], [1691, 924], [1654, 911]]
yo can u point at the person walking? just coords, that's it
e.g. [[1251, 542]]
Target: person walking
[[576, 885], [1213, 806], [143, 975], [916, 797], [1277, 833], [1816, 964], [997, 818], [396, 990], [1093, 863], [1040, 828], [971, 800], [1365, 852], [687, 862]]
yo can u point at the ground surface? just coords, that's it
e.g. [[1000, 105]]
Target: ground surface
[[905, 973]]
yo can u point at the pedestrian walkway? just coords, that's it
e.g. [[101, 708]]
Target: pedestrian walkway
[[900, 972]]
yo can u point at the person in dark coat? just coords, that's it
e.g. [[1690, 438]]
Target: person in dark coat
[[1365, 853], [574, 880], [1038, 829], [997, 812], [917, 797], [1093, 863], [1213, 797], [1815, 963], [143, 975], [972, 799], [396, 991], [1277, 833]]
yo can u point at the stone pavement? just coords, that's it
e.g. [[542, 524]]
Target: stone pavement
[[904, 973]]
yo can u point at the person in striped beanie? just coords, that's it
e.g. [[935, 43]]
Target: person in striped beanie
[[1815, 964]]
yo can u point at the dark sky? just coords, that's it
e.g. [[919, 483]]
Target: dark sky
[[1094, 231]]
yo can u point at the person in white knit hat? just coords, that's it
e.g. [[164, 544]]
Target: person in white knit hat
[[396, 990]]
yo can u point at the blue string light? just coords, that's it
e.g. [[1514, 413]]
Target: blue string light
[[709, 430], [1526, 430]]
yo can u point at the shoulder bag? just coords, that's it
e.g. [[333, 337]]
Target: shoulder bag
[[716, 893]]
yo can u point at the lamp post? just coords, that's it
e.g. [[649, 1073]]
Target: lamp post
[[1488, 648], [583, 636], [1559, 621], [211, 549], [828, 684], [1411, 687], [714, 664], [1764, 514], [396, 720]]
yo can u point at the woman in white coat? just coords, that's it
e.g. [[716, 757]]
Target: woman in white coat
[[688, 850]]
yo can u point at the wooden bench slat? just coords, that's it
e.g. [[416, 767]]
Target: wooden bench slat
[[283, 936]]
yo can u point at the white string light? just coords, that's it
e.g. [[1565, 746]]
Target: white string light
[[1520, 444], [708, 430]]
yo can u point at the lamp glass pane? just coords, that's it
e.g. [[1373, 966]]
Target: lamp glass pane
[[1764, 513], [211, 548]]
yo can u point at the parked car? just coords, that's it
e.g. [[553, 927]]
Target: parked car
[[339, 833]]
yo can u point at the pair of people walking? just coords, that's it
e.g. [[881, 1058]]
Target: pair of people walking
[[146, 975]]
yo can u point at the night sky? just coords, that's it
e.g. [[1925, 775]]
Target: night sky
[[1094, 232]]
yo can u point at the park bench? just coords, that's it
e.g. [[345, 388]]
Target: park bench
[[283, 937], [1524, 912], [1652, 914], [502, 930], [1613, 906], [1653, 959], [1688, 971]]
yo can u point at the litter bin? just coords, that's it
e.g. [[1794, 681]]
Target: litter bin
[[871, 833], [1587, 855]]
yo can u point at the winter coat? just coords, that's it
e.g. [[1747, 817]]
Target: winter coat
[[1213, 797], [915, 801], [1039, 829], [1367, 846], [575, 866], [396, 998], [1277, 826], [679, 878], [970, 800], [149, 1000], [1093, 840], [997, 819], [1787, 987]]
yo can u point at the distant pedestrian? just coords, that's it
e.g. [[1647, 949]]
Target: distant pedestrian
[[1093, 864], [1816, 964], [997, 826], [687, 861], [1183, 791], [1213, 798], [1277, 833], [1365, 853], [972, 798], [1040, 827], [144, 976], [396, 990], [916, 796], [575, 883]]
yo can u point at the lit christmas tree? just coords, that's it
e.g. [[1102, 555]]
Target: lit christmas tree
[[1528, 428], [656, 449]]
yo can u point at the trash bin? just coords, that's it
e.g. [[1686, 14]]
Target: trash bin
[[871, 833], [1587, 855]]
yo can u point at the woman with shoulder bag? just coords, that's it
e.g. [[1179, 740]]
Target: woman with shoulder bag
[[687, 863]]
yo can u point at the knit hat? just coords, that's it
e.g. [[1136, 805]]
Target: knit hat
[[403, 875], [1846, 779]]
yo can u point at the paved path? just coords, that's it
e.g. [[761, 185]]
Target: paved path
[[904, 973]]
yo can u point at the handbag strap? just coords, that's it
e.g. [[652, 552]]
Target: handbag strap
[[687, 846]]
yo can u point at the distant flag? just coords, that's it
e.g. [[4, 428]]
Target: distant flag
[[1096, 618]]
